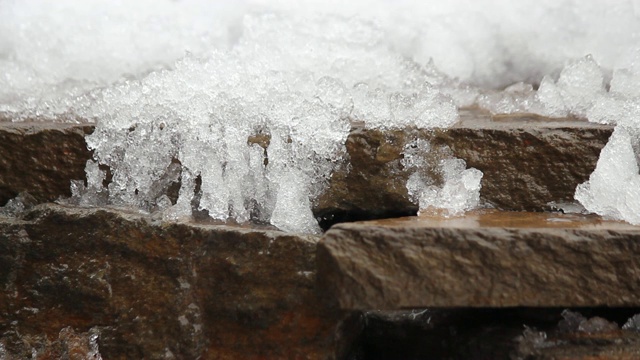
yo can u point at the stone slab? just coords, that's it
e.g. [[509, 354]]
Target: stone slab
[[484, 259], [527, 162], [160, 290]]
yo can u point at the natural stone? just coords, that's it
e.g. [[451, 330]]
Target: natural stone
[[527, 162], [41, 158], [484, 259], [161, 290]]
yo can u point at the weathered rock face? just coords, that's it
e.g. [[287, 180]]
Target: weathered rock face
[[41, 158], [527, 163], [486, 259], [156, 290]]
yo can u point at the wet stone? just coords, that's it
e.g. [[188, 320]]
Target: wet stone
[[483, 259], [151, 290], [528, 163]]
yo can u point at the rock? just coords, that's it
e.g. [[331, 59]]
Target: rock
[[484, 259], [41, 159], [527, 162], [161, 290]]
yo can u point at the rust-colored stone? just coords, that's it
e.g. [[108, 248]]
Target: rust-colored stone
[[527, 162], [153, 289], [483, 259], [41, 159]]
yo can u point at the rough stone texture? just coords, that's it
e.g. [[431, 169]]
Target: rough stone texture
[[41, 158], [156, 290], [527, 162], [484, 259]]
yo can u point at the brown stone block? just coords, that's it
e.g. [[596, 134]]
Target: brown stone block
[[484, 259], [41, 158], [153, 289], [527, 162]]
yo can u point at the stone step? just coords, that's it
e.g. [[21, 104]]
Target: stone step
[[527, 162], [156, 290], [483, 259]]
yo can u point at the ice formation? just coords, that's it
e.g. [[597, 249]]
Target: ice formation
[[262, 125], [247, 104], [633, 323], [613, 189], [457, 191]]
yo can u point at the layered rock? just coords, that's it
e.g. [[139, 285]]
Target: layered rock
[[527, 162], [485, 259], [160, 290]]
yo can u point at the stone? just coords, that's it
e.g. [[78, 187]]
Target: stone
[[151, 289], [484, 259], [528, 162], [41, 159]]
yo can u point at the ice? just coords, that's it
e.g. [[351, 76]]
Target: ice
[[53, 53], [596, 325], [613, 189], [263, 125], [58, 56], [517, 98], [459, 188], [248, 104], [633, 323], [579, 85], [19, 204], [571, 321]]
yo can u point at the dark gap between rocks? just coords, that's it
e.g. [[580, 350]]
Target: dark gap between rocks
[[326, 219], [487, 334]]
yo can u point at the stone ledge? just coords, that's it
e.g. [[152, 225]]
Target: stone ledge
[[527, 162], [485, 259], [151, 288]]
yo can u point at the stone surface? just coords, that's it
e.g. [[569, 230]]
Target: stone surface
[[160, 290], [484, 259], [41, 159], [527, 162]]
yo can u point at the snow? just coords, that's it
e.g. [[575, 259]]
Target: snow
[[178, 89]]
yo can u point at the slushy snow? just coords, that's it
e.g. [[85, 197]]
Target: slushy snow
[[248, 104]]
